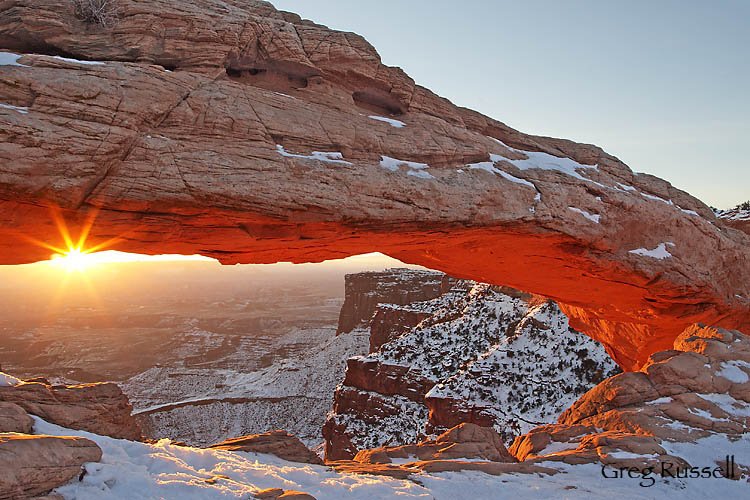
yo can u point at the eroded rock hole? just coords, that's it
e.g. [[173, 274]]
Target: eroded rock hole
[[378, 101]]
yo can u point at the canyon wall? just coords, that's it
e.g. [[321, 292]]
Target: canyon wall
[[481, 354]]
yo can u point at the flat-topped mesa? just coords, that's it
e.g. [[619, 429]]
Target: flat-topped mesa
[[240, 132], [364, 292]]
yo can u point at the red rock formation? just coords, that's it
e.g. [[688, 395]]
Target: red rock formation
[[277, 443], [389, 322], [99, 408], [465, 441], [736, 218], [485, 355], [364, 292], [35, 465], [13, 418], [698, 390], [217, 156]]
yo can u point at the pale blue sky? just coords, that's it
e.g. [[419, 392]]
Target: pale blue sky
[[661, 84]]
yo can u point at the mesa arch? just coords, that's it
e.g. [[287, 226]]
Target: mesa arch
[[240, 132]]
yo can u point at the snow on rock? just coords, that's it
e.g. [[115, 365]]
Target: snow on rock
[[482, 354], [21, 109], [660, 252], [10, 59], [656, 198], [489, 166], [9, 380], [545, 161], [415, 169], [390, 121], [315, 155], [732, 371], [625, 187], [593, 218], [78, 61]]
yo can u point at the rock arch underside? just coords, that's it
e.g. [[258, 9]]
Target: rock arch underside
[[233, 130]]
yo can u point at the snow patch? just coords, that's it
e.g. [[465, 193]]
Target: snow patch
[[627, 454], [691, 212], [656, 198], [390, 121], [9, 380], [727, 403], [24, 110], [489, 166], [415, 169], [315, 155], [660, 252], [10, 59], [625, 187], [544, 161], [731, 371], [593, 218], [78, 61], [660, 401]]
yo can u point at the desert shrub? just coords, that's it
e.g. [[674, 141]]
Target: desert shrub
[[105, 13]]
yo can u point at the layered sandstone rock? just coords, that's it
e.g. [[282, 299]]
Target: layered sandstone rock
[[485, 355], [465, 441], [364, 292], [99, 408], [35, 465], [277, 443], [279, 494], [234, 130], [464, 447], [694, 397], [13, 418], [736, 218]]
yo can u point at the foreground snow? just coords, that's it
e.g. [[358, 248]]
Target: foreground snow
[[137, 471]]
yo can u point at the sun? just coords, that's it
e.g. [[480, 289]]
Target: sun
[[74, 260]]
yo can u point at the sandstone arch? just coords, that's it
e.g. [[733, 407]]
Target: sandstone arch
[[199, 160]]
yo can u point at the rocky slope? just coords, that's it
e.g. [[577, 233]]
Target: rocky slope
[[486, 355], [231, 129], [99, 408], [363, 292], [688, 407]]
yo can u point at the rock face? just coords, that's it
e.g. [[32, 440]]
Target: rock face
[[486, 355], [277, 443], [464, 441], [465, 447], [34, 465], [13, 418], [364, 292], [231, 129], [736, 218], [693, 397], [278, 493], [99, 408]]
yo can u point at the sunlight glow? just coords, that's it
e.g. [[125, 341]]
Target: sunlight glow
[[76, 260]]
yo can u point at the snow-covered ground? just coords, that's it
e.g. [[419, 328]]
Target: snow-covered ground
[[137, 471], [203, 407]]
